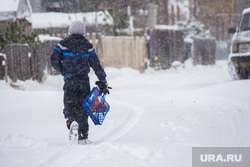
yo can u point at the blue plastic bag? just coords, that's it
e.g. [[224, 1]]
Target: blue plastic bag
[[96, 106]]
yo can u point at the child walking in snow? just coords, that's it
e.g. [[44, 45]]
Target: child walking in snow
[[73, 57]]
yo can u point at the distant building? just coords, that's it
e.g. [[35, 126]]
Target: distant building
[[68, 6], [10, 10], [239, 6]]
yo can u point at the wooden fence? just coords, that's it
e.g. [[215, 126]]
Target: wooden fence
[[40, 59], [166, 46], [124, 52], [17, 61], [120, 51], [25, 62], [33, 62]]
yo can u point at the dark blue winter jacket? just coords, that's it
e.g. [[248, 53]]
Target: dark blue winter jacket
[[74, 55]]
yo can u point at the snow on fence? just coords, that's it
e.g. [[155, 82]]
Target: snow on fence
[[204, 51], [2, 67], [165, 47]]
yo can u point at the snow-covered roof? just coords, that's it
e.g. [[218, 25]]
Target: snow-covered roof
[[247, 10], [8, 5], [167, 27], [11, 9], [54, 19]]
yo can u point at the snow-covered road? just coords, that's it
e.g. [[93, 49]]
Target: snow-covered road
[[155, 119]]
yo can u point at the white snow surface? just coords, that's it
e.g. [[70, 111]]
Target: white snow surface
[[8, 5], [12, 9], [155, 119], [47, 37]]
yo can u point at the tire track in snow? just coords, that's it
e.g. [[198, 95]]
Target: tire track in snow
[[113, 128]]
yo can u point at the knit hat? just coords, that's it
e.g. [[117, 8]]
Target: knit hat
[[77, 27]]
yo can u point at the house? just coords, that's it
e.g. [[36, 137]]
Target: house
[[10, 10], [69, 6], [39, 6]]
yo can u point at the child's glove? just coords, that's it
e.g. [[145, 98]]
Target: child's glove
[[103, 86]]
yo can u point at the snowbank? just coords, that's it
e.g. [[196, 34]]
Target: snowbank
[[167, 27], [155, 119], [247, 10], [43, 38]]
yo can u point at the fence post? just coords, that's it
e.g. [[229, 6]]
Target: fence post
[[25, 62], [9, 63], [48, 50], [152, 15], [161, 42], [38, 61], [99, 49], [179, 50], [2, 67]]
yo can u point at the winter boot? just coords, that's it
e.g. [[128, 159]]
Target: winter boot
[[83, 138], [85, 141], [73, 132]]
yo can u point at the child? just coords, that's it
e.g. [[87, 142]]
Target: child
[[73, 57]]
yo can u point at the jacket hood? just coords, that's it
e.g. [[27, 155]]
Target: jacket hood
[[77, 27]]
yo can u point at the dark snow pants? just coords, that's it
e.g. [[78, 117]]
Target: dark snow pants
[[76, 88]]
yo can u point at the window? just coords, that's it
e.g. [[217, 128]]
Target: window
[[245, 22]]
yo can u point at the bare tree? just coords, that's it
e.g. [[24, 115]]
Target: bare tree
[[216, 15]]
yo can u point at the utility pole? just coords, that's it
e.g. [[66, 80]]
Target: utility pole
[[232, 13], [131, 22], [190, 10], [152, 15], [172, 15], [195, 8], [166, 16]]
